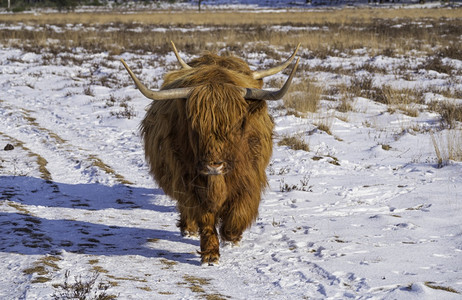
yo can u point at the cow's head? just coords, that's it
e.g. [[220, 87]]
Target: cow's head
[[220, 94]]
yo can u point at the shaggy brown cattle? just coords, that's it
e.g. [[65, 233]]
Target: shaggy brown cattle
[[208, 144]]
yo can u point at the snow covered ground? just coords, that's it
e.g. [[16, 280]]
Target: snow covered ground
[[365, 214]]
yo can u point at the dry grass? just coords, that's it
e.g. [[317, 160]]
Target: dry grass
[[325, 122], [304, 96], [92, 288], [97, 162], [231, 17], [360, 86], [294, 142], [448, 146], [42, 269], [451, 113], [436, 286], [323, 32], [346, 100], [325, 126], [431, 33], [405, 100], [199, 285]]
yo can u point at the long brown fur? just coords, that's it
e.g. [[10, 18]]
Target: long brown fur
[[214, 124]]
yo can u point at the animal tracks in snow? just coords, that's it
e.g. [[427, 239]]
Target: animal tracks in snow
[[347, 219]]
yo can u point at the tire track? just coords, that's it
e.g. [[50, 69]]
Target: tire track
[[25, 230], [51, 139]]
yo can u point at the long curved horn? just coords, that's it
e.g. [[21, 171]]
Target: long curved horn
[[258, 94], [264, 73], [180, 93], [178, 57]]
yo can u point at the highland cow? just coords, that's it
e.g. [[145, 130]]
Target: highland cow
[[208, 139]]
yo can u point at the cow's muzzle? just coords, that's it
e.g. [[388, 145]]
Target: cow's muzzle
[[214, 168]]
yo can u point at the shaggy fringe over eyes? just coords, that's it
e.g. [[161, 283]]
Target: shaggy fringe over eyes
[[215, 109], [228, 62]]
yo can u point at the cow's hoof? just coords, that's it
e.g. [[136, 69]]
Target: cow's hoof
[[231, 244], [190, 234], [210, 259]]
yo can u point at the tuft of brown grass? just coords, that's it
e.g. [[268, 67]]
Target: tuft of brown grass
[[324, 127], [294, 142], [346, 98], [304, 97], [436, 286], [405, 100], [324, 123], [448, 146], [196, 283], [451, 113]]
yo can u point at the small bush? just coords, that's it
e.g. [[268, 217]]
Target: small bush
[[361, 86], [82, 290], [303, 186], [128, 111], [88, 91], [452, 51], [436, 64]]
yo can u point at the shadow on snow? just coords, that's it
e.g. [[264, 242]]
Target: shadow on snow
[[28, 234]]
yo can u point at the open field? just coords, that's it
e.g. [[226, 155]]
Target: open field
[[415, 39], [426, 31], [365, 193], [345, 16]]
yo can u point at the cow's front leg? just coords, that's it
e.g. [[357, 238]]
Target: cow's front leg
[[187, 223], [210, 246]]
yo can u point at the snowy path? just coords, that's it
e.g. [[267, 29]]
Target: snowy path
[[348, 219]]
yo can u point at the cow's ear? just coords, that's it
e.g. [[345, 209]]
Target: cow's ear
[[255, 106]]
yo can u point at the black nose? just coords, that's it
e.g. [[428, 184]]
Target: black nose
[[215, 168], [216, 164]]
